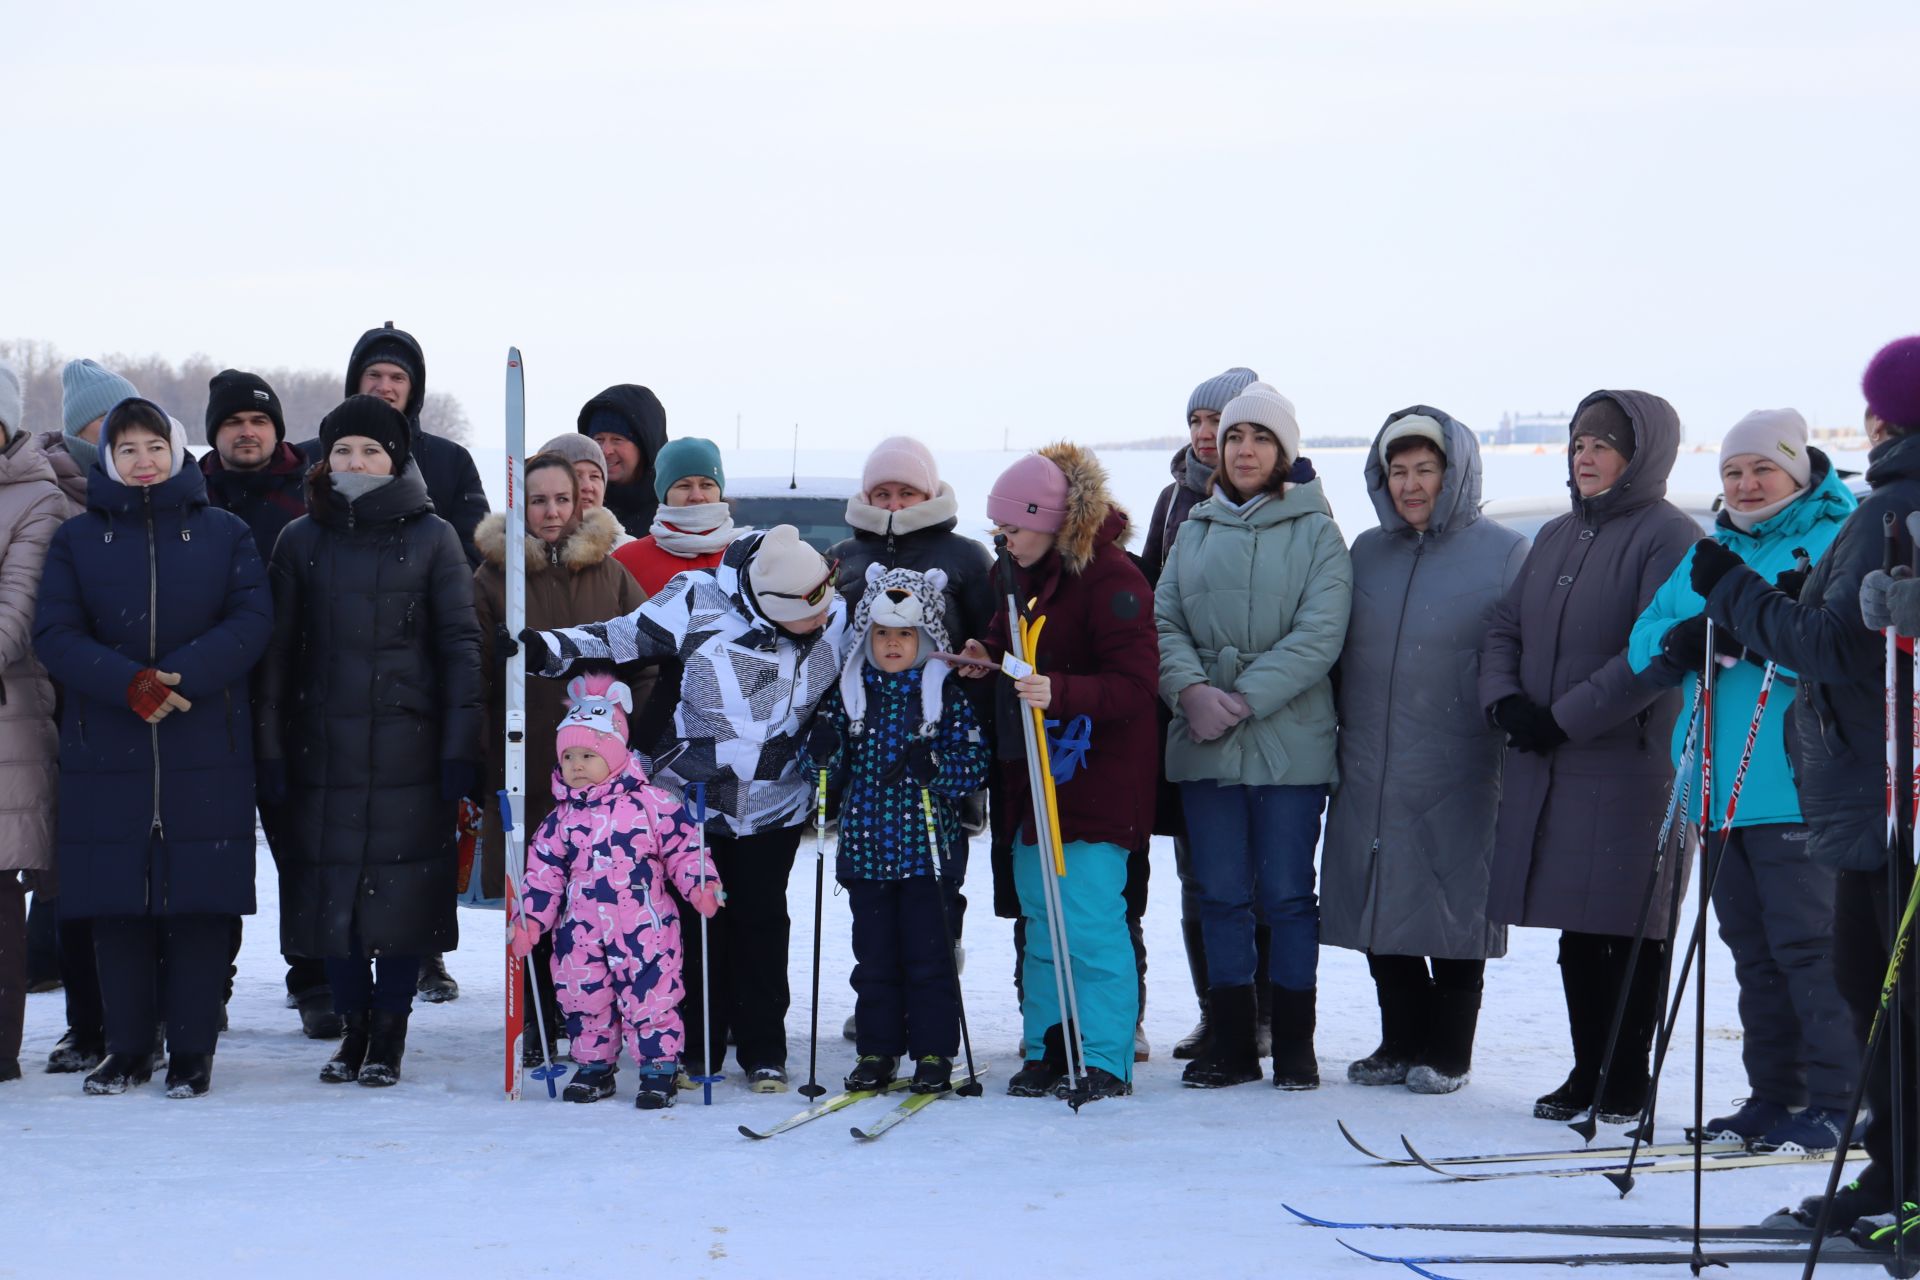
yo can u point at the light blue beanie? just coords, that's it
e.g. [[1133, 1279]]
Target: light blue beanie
[[87, 391]]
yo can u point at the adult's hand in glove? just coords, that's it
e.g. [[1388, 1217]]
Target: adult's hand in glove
[[1903, 604], [1210, 712], [1711, 562], [1875, 590], [1510, 715], [150, 694], [1545, 731], [539, 654]]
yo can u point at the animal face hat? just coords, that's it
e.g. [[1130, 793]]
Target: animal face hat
[[899, 598], [596, 719]]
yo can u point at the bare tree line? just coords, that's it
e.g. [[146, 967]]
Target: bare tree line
[[306, 395]]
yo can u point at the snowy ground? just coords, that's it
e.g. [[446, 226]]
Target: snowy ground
[[276, 1174]]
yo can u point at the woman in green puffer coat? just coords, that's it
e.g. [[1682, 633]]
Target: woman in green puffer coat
[[1252, 611]]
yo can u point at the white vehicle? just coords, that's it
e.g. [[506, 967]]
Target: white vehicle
[[815, 505]]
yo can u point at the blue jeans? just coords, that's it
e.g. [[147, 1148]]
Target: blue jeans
[[1253, 856]]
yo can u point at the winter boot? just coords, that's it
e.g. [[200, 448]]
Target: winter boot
[[1879, 1232], [656, 1092], [932, 1074], [1585, 984], [436, 985], [767, 1080], [1229, 1056], [1851, 1203], [871, 1074], [386, 1046], [189, 1075], [1197, 966], [344, 1066], [1294, 1063], [591, 1082], [1096, 1083], [1813, 1131], [77, 1051], [1754, 1118], [1037, 1077], [1403, 1016], [318, 1021], [1445, 1059], [119, 1072], [9, 1070]]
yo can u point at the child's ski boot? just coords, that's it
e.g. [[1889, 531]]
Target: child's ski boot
[[656, 1087], [591, 1082], [871, 1074], [932, 1074]]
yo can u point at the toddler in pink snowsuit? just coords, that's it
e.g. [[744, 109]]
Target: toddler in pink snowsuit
[[599, 866]]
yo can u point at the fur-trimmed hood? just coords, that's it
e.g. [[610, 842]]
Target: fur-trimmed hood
[[590, 542], [1091, 510]]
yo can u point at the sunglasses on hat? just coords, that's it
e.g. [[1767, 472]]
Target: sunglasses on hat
[[817, 595]]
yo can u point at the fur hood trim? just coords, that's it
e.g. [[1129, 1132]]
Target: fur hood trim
[[590, 543], [1089, 503]]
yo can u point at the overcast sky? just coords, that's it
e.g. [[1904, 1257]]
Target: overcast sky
[[1040, 218]]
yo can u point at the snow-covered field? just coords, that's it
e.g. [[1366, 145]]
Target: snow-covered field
[[275, 1174]]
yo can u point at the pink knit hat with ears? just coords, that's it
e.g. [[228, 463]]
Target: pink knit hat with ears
[[903, 460], [1030, 494], [596, 719]]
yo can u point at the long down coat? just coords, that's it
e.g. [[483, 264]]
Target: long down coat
[[32, 508], [1575, 842], [154, 577], [1409, 843], [371, 682]]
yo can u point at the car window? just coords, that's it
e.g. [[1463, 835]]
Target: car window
[[821, 521]]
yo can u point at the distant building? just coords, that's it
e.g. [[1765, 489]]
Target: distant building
[[1532, 428]]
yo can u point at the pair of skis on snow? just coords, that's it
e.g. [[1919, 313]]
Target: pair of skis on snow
[[912, 1106], [1577, 1162]]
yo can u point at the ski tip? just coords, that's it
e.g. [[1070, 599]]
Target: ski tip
[[1312, 1221], [1371, 1257], [1356, 1144], [748, 1133], [860, 1133], [1419, 1270]]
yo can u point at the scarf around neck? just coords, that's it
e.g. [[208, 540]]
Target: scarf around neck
[[697, 530], [355, 485]]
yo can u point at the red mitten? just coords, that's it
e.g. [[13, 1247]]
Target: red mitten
[[146, 694]]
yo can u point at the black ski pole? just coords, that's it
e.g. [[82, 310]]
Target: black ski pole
[[813, 1088], [1700, 1260], [970, 1087], [1587, 1125]]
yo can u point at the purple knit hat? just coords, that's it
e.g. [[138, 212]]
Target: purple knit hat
[[1030, 494], [1892, 384]]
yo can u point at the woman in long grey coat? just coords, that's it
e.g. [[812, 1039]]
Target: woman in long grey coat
[[1409, 842], [1587, 770]]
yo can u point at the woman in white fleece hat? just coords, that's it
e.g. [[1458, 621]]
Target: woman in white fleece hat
[[761, 636]]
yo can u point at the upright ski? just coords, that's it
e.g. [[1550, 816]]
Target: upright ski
[[513, 796], [826, 1106]]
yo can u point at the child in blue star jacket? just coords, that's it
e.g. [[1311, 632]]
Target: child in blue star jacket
[[888, 735]]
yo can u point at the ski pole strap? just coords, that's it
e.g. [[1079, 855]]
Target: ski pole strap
[[1067, 751]]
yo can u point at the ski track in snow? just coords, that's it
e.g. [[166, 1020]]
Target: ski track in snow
[[277, 1174]]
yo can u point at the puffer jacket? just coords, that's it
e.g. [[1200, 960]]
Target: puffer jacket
[[633, 502], [453, 482], [155, 819], [1175, 504], [1099, 649], [1409, 843], [372, 681], [1575, 842], [269, 499], [67, 471], [569, 583], [32, 509], [1836, 734], [748, 689], [1810, 524], [883, 832], [1256, 603]]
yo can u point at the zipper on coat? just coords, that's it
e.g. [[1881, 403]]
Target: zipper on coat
[[153, 643]]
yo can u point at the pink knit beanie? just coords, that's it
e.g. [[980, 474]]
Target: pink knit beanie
[[903, 460], [1030, 494], [596, 719]]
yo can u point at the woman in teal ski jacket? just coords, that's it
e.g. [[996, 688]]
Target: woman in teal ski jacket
[[1775, 904]]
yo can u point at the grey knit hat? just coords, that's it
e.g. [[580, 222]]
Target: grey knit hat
[[575, 447], [1216, 391], [87, 391], [12, 400]]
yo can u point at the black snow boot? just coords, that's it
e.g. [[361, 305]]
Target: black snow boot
[[1095, 1083], [1197, 966], [1037, 1077], [1629, 1080], [1229, 1056], [656, 1092], [591, 1082], [932, 1074], [1585, 983], [77, 1051], [9, 1070], [318, 1021], [1446, 1057], [871, 1074], [1403, 1033], [436, 985], [119, 1072], [344, 1066], [386, 1046], [189, 1075], [1294, 1064]]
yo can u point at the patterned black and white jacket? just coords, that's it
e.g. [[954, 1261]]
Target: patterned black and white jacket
[[747, 694]]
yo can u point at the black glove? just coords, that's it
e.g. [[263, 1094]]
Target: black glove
[[270, 781], [1510, 715], [538, 654], [1545, 731], [823, 741], [1794, 580], [457, 778], [915, 763], [504, 645], [1711, 562], [1685, 644]]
